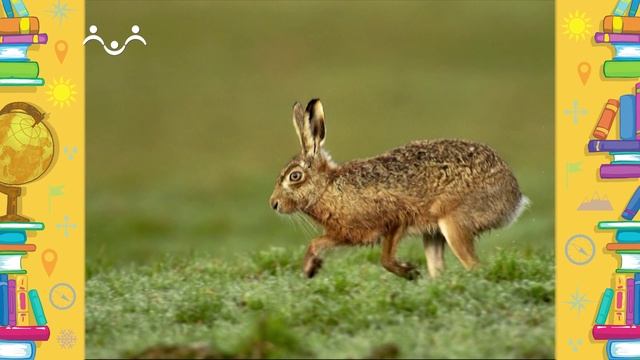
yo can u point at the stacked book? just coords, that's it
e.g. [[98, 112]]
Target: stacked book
[[622, 30], [22, 318], [618, 316], [625, 150], [18, 31]]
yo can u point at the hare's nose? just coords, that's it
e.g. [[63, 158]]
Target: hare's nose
[[274, 204]]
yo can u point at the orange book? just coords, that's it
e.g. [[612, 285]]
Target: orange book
[[16, 247], [622, 247], [606, 119], [621, 24], [24, 25]]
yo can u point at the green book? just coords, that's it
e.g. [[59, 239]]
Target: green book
[[19, 69], [621, 69], [615, 225], [15, 226]]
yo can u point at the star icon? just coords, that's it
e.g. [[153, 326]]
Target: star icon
[[60, 11], [578, 301]]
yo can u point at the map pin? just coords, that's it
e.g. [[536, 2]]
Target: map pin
[[584, 70], [61, 50], [49, 259]]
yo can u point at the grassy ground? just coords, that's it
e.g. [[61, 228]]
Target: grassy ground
[[259, 306], [187, 135]]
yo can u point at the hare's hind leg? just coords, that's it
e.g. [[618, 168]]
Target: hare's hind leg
[[389, 262], [312, 261], [459, 239], [434, 252]]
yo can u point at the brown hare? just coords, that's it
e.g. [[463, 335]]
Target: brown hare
[[449, 191]]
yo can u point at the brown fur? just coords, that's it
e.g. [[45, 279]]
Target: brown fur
[[447, 190]]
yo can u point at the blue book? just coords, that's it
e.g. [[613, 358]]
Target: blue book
[[18, 350], [634, 7], [625, 51], [627, 236], [605, 305], [6, 4], [636, 295], [36, 306], [14, 52], [623, 349], [628, 117], [621, 7], [4, 299], [632, 207], [18, 6], [13, 237]]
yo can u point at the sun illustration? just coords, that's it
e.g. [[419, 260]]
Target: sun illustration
[[577, 26], [62, 92]]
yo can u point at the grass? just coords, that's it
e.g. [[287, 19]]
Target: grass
[[184, 256], [260, 306]]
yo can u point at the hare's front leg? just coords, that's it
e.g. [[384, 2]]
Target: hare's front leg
[[389, 262], [312, 261]]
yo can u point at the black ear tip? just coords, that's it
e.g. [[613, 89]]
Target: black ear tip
[[296, 104], [312, 103]]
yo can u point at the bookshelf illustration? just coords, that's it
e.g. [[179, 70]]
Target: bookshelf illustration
[[617, 320], [19, 31], [22, 317]]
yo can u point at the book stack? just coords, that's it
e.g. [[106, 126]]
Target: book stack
[[18, 31], [622, 30], [618, 315], [22, 318], [625, 150]]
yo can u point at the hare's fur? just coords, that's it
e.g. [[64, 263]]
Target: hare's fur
[[449, 191]]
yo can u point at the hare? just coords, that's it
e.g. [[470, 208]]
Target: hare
[[449, 191]]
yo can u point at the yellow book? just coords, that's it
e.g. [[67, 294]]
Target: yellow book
[[620, 299], [22, 301]]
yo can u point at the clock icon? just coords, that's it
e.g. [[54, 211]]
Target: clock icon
[[580, 249], [62, 296]]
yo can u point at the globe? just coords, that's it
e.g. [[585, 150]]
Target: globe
[[26, 148]]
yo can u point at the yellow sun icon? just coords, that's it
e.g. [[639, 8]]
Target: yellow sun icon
[[577, 26], [61, 92]]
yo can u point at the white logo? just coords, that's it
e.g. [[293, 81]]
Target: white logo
[[114, 50]]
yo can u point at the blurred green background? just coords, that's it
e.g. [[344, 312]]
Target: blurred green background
[[187, 135]]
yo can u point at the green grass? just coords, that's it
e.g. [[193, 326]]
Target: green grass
[[186, 138], [259, 305]]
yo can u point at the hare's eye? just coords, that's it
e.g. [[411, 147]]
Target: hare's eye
[[295, 176]]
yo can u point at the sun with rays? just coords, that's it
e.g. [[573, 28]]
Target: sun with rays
[[577, 26], [62, 92]]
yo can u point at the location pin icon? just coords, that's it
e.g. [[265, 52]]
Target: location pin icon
[[584, 70], [61, 50], [49, 260]]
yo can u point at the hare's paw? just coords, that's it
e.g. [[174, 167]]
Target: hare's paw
[[312, 266], [409, 271]]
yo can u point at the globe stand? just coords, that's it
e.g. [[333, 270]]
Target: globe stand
[[12, 204]]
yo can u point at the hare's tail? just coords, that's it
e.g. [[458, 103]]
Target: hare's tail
[[523, 204]]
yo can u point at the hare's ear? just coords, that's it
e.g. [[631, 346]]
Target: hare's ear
[[302, 129], [314, 119]]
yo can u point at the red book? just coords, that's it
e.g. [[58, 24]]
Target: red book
[[615, 332], [606, 119], [24, 333]]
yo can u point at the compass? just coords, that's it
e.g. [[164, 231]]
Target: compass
[[62, 296], [580, 249]]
